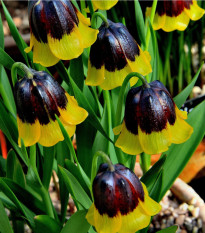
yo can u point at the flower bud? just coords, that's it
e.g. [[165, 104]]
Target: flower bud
[[39, 100], [152, 121], [175, 15], [121, 201], [58, 31], [113, 56]]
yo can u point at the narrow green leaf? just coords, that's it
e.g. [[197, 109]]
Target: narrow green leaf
[[64, 197], [85, 134], [5, 226], [157, 187], [70, 166], [83, 102], [2, 166], [8, 126], [14, 169], [172, 229], [76, 71], [5, 59], [8, 192], [154, 56], [6, 91], [14, 32], [62, 153], [1, 34], [73, 225], [77, 191], [154, 193], [49, 156], [179, 155], [151, 175], [140, 22], [100, 143], [72, 151], [44, 223], [182, 96], [28, 198]]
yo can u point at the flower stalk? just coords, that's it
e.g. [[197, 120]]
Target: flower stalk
[[94, 17], [18, 65]]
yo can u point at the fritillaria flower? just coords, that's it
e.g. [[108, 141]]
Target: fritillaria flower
[[175, 15], [121, 202], [58, 31], [152, 121], [38, 100], [113, 56]]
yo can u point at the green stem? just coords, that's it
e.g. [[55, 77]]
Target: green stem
[[94, 163], [91, 8], [44, 192], [154, 7], [145, 162], [82, 6], [167, 58], [181, 54], [122, 93], [20, 66], [108, 105], [33, 157], [94, 17], [47, 201]]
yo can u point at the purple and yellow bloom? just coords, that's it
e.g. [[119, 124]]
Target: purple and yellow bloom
[[113, 56], [58, 31], [121, 202], [175, 15], [152, 121], [38, 100]]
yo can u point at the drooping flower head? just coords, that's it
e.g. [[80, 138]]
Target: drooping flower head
[[152, 121], [113, 56], [38, 100], [121, 201], [104, 5], [175, 15], [58, 31]]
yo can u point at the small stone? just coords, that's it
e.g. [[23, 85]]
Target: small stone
[[163, 226], [180, 211], [184, 206], [157, 225], [190, 208], [196, 91], [167, 212], [195, 229], [170, 221], [195, 212], [188, 224], [199, 223], [171, 209], [180, 220], [175, 215], [183, 231]]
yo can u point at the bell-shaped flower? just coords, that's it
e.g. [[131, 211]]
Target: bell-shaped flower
[[58, 31], [39, 100], [121, 202], [175, 15], [152, 121], [113, 56]]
